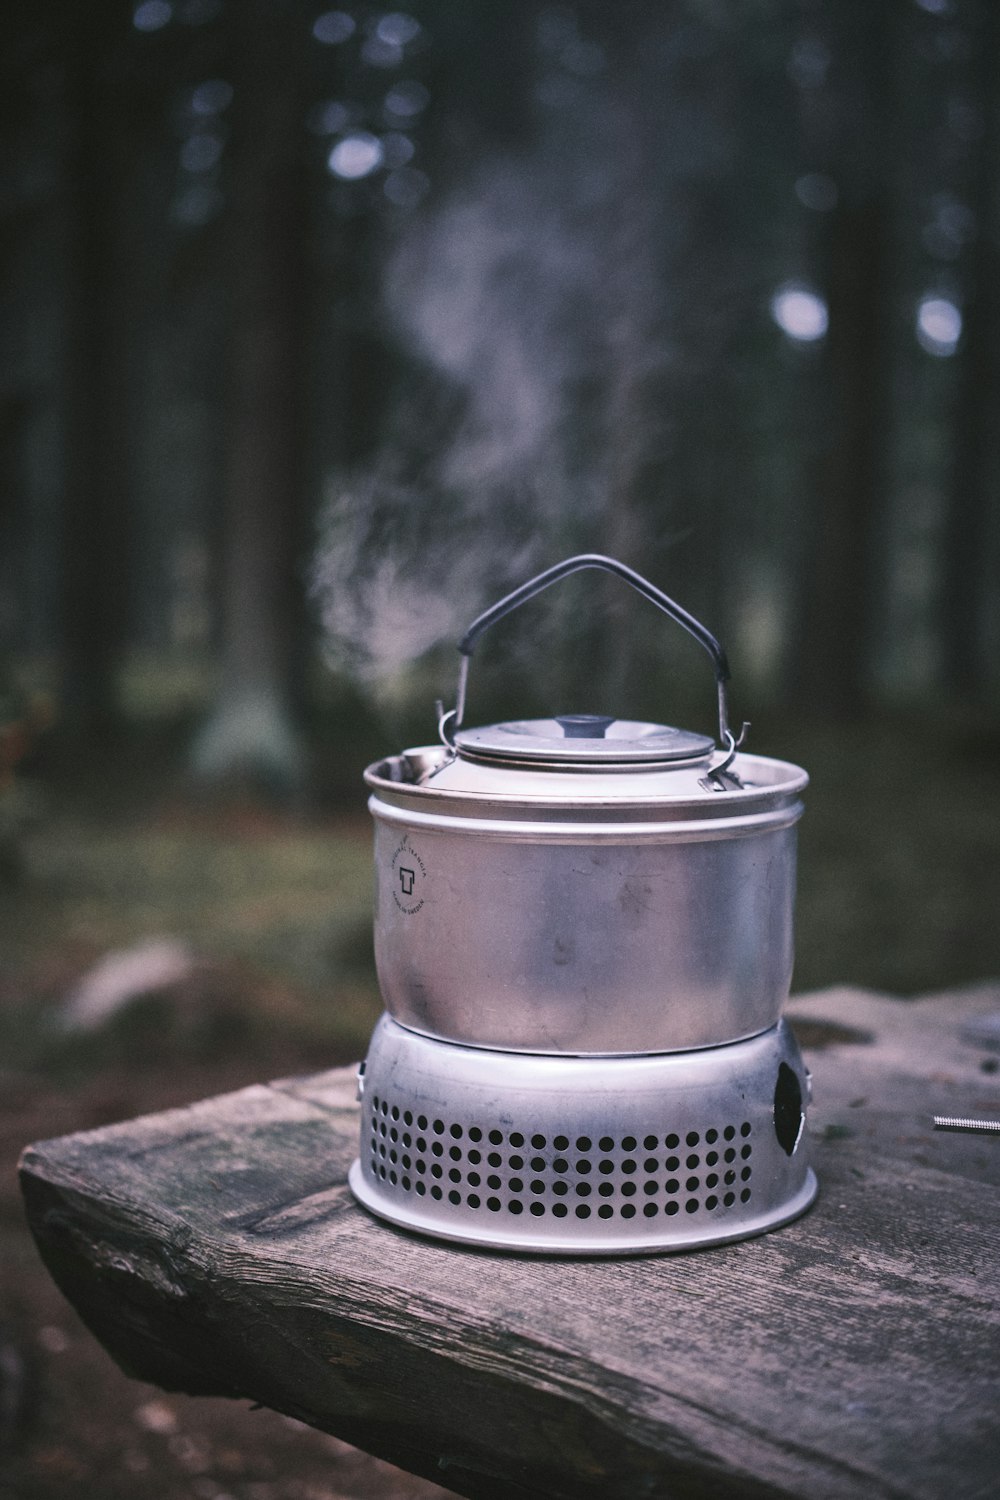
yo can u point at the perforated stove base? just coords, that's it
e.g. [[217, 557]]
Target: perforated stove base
[[584, 1155]]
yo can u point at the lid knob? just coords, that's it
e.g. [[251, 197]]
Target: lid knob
[[584, 726]]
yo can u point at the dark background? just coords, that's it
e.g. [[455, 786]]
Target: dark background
[[323, 328]]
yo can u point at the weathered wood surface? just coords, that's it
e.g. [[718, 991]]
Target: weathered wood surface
[[217, 1250]]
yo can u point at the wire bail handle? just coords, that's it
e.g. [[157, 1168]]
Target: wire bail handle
[[450, 721]]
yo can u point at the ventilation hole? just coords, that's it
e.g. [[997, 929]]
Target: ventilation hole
[[606, 1143], [475, 1157], [493, 1181], [436, 1170], [538, 1164], [437, 1148], [454, 1175], [672, 1163], [537, 1186], [421, 1143], [381, 1129], [516, 1163], [421, 1122], [628, 1210], [538, 1209], [493, 1204], [454, 1197], [649, 1187], [628, 1166], [729, 1132], [439, 1127], [746, 1152], [394, 1134], [435, 1192], [474, 1179], [692, 1185], [406, 1184], [516, 1206], [420, 1165], [561, 1187], [692, 1137], [393, 1156], [582, 1211], [495, 1159], [455, 1152], [691, 1206], [561, 1142], [538, 1141], [729, 1155], [421, 1189], [605, 1211], [745, 1128], [651, 1210], [673, 1207], [560, 1210], [729, 1199], [606, 1189], [516, 1138], [395, 1111], [583, 1166], [496, 1139], [407, 1117], [606, 1167], [711, 1136], [745, 1196], [711, 1158], [650, 1164], [375, 1101], [456, 1131], [729, 1177], [384, 1107], [711, 1201], [516, 1185], [672, 1142], [560, 1164], [712, 1180], [407, 1138], [473, 1200], [693, 1161], [673, 1186], [747, 1173], [629, 1143], [475, 1134], [381, 1149], [788, 1112], [628, 1188], [583, 1190]]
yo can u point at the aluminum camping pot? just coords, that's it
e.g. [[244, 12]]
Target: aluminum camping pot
[[584, 884]]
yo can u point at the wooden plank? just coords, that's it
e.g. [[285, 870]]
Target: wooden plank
[[855, 1353]]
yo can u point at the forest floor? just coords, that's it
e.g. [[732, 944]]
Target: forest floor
[[257, 924]]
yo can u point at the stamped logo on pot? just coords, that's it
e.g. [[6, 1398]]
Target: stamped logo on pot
[[408, 875]]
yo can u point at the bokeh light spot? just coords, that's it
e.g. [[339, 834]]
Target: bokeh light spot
[[356, 156], [800, 313], [333, 27], [397, 29], [152, 15], [211, 97], [939, 326], [407, 99]]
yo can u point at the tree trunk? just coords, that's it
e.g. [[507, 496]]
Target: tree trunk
[[969, 572], [251, 730]]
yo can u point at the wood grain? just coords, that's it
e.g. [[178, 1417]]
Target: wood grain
[[217, 1250]]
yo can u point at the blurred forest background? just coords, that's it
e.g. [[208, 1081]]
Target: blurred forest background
[[322, 328]]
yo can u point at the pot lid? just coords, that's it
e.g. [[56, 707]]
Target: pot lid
[[580, 740]]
